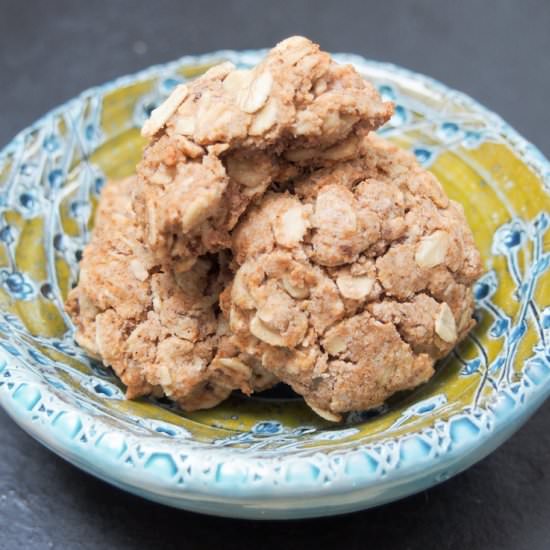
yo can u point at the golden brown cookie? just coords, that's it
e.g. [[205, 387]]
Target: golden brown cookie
[[218, 143], [157, 329], [350, 287]]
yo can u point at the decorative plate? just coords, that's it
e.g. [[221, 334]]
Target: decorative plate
[[269, 456]]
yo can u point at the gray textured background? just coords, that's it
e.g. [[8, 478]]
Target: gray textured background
[[498, 51]]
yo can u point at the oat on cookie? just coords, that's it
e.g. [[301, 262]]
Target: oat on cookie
[[219, 142], [158, 330], [350, 288]]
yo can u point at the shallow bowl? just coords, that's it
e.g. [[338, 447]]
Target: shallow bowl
[[269, 456]]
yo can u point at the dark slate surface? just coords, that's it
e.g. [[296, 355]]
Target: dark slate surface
[[498, 51]]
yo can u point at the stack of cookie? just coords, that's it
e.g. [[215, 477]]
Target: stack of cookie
[[270, 236]]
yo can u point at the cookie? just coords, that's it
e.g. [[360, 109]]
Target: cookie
[[270, 235], [159, 330], [351, 286], [218, 143]]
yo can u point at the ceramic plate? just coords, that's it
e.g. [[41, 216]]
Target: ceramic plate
[[269, 456]]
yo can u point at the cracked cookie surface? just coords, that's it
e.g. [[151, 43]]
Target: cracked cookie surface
[[350, 287], [219, 142], [160, 331]]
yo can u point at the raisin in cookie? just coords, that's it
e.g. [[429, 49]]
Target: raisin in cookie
[[217, 143], [158, 330], [353, 285]]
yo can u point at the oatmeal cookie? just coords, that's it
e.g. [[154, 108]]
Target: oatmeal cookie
[[218, 143], [158, 330], [353, 285]]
